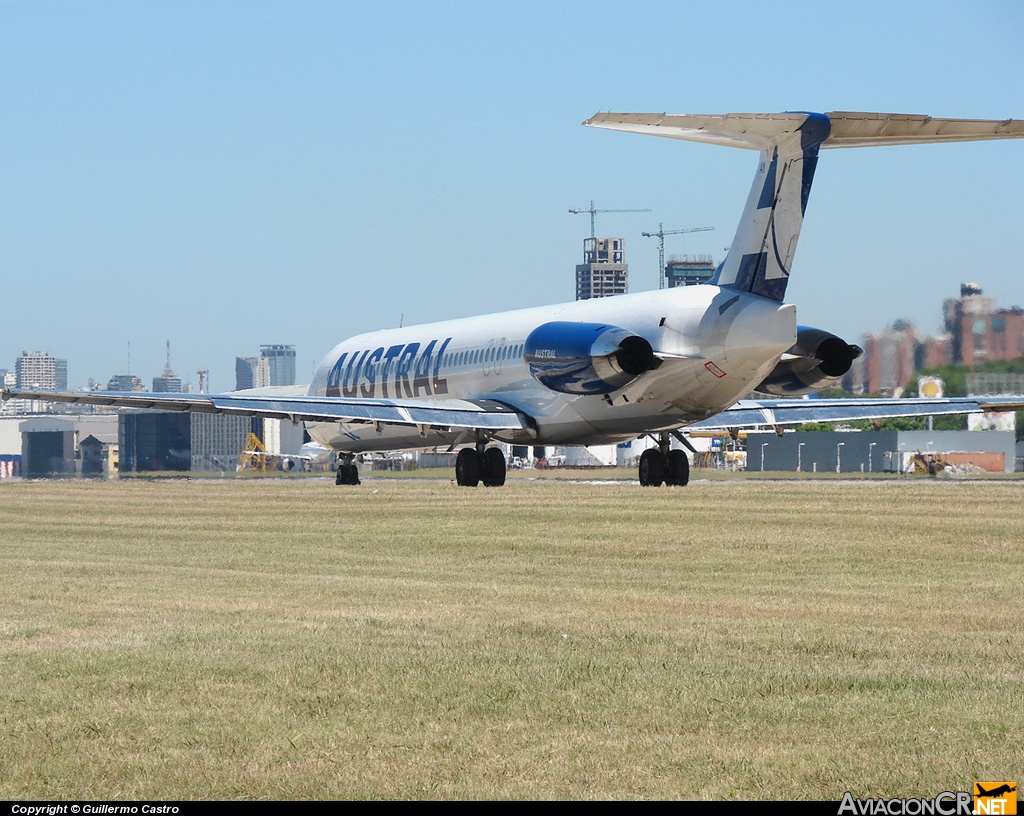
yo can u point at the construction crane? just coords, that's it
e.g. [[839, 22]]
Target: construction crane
[[254, 455], [660, 235], [594, 211]]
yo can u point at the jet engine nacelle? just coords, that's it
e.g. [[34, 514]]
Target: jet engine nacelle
[[586, 358], [816, 361]]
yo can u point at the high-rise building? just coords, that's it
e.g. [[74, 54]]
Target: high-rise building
[[168, 382], [125, 382], [689, 271], [38, 370], [281, 360], [604, 271], [252, 372], [980, 332], [890, 358]]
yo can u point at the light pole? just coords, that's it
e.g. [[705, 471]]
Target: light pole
[[870, 446], [799, 455], [837, 455], [763, 446]]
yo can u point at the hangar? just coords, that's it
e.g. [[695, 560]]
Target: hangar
[[877, 451], [49, 443], [134, 442], [174, 441]]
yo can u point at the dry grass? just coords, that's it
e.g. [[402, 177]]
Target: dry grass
[[410, 639]]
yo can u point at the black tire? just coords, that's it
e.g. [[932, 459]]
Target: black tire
[[493, 468], [347, 475], [677, 471], [652, 468], [467, 468]]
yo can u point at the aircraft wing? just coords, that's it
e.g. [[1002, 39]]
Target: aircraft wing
[[452, 413], [747, 413]]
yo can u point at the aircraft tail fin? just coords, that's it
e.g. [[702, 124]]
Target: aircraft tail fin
[[762, 250]]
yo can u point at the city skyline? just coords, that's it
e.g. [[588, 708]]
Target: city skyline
[[975, 330], [905, 355], [278, 358], [201, 172]]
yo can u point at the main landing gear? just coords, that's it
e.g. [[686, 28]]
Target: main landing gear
[[479, 464], [348, 473], [663, 466], [472, 466]]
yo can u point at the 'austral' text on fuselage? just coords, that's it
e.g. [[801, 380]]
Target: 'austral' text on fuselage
[[414, 373]]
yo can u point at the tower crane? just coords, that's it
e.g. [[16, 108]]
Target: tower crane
[[660, 235], [594, 211]]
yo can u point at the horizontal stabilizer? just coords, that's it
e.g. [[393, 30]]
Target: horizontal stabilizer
[[869, 129], [761, 254], [759, 131]]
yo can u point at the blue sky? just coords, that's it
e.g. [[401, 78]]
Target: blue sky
[[226, 174]]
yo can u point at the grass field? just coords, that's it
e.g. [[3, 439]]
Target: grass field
[[411, 639]]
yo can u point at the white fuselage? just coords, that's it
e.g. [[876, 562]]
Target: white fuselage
[[715, 345]]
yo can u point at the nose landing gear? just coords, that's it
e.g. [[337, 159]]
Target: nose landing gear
[[348, 473]]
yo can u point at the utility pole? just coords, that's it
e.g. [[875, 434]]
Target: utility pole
[[594, 211], [660, 235]]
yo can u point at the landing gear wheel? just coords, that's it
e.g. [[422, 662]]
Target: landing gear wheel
[[652, 468], [347, 475], [677, 469], [493, 468], [467, 468]]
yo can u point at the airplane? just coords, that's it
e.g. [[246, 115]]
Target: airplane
[[613, 369], [995, 792]]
